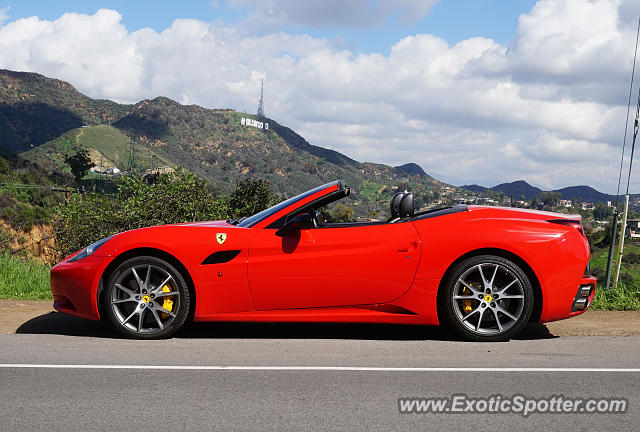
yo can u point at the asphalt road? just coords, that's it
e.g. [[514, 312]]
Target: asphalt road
[[328, 377]]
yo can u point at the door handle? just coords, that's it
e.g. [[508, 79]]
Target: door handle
[[412, 245]]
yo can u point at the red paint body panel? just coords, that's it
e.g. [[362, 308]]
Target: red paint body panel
[[332, 266], [382, 272], [77, 282]]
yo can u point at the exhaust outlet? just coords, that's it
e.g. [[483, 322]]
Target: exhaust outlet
[[580, 304]]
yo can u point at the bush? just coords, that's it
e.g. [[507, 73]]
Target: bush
[[172, 198], [250, 197], [341, 213], [626, 296]]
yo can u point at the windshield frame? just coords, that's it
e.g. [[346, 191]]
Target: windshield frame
[[255, 219]]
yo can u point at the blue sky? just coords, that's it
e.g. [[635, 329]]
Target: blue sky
[[452, 20]]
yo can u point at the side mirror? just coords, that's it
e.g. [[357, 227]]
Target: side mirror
[[299, 222]]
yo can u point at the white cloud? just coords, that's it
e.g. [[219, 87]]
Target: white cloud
[[549, 108]]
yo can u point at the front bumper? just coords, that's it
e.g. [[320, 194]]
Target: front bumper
[[74, 286]]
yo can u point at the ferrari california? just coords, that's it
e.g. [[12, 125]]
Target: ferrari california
[[484, 272]]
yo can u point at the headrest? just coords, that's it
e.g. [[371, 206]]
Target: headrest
[[406, 206], [395, 204]]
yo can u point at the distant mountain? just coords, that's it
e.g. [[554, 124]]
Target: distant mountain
[[410, 169], [514, 189], [45, 119], [584, 193], [475, 188], [517, 189], [520, 187]]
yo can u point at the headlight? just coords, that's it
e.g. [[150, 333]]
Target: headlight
[[89, 250]]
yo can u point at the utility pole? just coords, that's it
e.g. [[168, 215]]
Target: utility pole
[[612, 245], [623, 228], [261, 103], [614, 231], [131, 166], [626, 196]]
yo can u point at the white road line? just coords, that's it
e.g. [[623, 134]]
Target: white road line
[[312, 368]]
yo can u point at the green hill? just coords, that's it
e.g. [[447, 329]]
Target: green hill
[[35, 109], [107, 146], [45, 119]]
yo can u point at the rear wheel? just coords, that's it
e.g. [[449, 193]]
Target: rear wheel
[[486, 298], [146, 298]]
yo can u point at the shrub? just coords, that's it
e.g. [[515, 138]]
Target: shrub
[[626, 296], [250, 197], [172, 198]]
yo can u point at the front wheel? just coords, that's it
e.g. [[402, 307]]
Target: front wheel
[[486, 298], [146, 298]]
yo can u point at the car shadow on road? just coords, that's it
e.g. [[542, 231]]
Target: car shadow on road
[[61, 324]]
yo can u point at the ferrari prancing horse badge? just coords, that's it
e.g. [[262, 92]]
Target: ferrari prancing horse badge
[[221, 237]]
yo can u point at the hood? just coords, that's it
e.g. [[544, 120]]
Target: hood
[[218, 223]]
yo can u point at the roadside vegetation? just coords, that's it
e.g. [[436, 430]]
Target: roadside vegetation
[[23, 279], [164, 199], [623, 297]]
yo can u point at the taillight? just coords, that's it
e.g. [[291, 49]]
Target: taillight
[[570, 222]]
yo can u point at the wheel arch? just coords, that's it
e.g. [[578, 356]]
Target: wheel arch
[[146, 251], [535, 282]]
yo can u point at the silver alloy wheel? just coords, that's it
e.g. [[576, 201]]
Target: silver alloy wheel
[[488, 299], [141, 305]]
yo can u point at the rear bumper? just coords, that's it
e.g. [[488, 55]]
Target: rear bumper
[[570, 301], [74, 286]]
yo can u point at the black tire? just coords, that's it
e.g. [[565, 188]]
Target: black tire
[[133, 304], [480, 311]]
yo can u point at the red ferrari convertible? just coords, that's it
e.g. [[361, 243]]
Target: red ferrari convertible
[[482, 271]]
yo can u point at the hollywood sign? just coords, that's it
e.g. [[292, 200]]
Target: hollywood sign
[[254, 123]]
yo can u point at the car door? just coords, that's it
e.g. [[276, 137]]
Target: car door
[[347, 264]]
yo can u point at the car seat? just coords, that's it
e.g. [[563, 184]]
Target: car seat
[[395, 206], [407, 206]]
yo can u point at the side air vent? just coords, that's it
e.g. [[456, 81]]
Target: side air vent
[[221, 257]]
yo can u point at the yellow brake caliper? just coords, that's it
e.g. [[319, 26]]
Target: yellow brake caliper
[[168, 301], [466, 304]]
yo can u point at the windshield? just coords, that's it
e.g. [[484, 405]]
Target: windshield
[[252, 220]]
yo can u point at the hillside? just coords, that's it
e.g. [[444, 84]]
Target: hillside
[[584, 193], [410, 169], [35, 109], [215, 145], [107, 146], [475, 188], [47, 119]]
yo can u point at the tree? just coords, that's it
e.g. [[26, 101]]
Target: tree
[[250, 197], [602, 212], [80, 164], [550, 199], [172, 198], [341, 213], [535, 202]]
